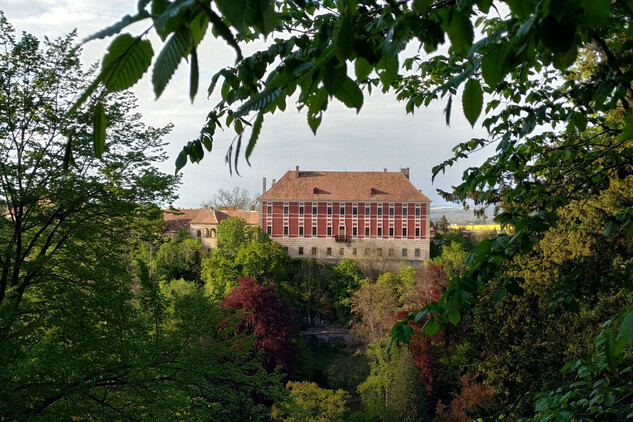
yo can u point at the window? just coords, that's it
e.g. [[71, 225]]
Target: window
[[392, 210], [341, 251], [269, 230], [206, 232], [269, 209], [404, 232], [329, 231], [354, 231], [314, 210], [301, 209], [417, 253], [342, 210], [329, 251], [379, 251], [417, 232], [286, 248], [286, 230], [390, 252], [390, 231], [404, 252], [366, 210], [285, 209], [366, 231], [354, 210], [199, 233], [314, 251], [314, 231], [300, 250], [341, 231], [212, 233], [329, 210], [379, 231], [418, 211], [404, 210], [379, 211], [300, 230], [354, 251]]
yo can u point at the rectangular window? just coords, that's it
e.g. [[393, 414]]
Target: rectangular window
[[301, 209], [392, 211], [329, 210], [404, 232], [417, 232], [404, 252], [300, 230], [269, 230], [379, 231], [314, 231], [366, 231], [286, 230], [285, 209], [404, 210], [417, 253], [354, 231], [286, 248], [341, 251], [354, 251], [342, 210], [390, 252], [379, 211], [366, 210], [329, 231], [329, 251], [314, 251], [300, 250], [354, 210], [418, 212], [379, 251], [390, 231], [314, 210], [269, 209]]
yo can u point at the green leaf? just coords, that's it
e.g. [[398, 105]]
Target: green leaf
[[362, 68], [178, 46], [610, 351], [559, 37], [257, 128], [350, 95], [454, 317], [118, 27], [333, 78], [171, 15], [472, 100], [127, 59], [344, 38], [222, 30], [249, 13], [99, 128], [460, 32], [447, 110], [314, 121], [69, 160], [193, 76], [597, 12], [493, 66], [431, 327], [181, 160], [626, 328], [422, 6], [258, 101]]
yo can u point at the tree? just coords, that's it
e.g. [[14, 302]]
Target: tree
[[237, 197], [311, 403], [180, 257], [344, 280], [373, 303], [77, 341], [268, 318]]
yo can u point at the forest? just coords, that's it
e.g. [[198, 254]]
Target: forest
[[102, 317]]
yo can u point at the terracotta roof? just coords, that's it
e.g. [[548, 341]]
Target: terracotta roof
[[346, 186], [177, 219]]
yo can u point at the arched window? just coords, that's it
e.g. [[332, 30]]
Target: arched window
[[199, 233], [206, 232], [212, 232]]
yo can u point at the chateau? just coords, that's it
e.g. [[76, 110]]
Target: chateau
[[330, 215]]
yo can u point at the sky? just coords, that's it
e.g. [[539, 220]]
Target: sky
[[381, 136]]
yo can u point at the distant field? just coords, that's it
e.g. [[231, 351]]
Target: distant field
[[457, 215], [476, 227]]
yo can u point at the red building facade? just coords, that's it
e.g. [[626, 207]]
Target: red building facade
[[330, 215]]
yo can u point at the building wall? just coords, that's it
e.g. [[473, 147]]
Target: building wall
[[205, 232], [395, 225]]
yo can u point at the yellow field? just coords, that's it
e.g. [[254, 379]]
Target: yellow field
[[476, 227]]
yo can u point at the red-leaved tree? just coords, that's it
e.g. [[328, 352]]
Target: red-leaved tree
[[268, 318]]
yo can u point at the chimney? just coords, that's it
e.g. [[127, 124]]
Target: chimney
[[405, 171], [385, 170], [273, 183], [264, 186], [297, 172]]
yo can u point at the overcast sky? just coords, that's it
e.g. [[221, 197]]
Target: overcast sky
[[381, 136]]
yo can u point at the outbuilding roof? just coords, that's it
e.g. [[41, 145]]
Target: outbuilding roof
[[344, 186]]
